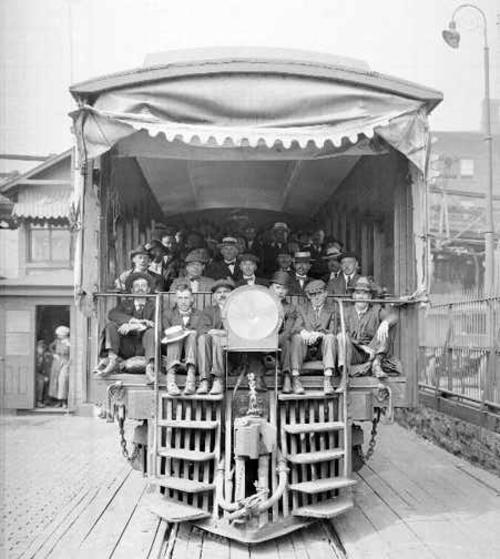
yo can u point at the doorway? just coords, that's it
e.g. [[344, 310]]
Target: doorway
[[51, 359]]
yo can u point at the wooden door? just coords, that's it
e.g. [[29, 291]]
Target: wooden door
[[17, 357]]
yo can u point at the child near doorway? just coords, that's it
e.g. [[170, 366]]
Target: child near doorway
[[43, 366], [59, 372]]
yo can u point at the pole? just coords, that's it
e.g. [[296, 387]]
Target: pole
[[489, 234]]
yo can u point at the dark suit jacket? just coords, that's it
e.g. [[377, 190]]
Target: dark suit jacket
[[204, 283], [338, 285], [125, 310], [269, 254], [172, 317], [289, 319], [210, 318], [294, 286], [326, 322], [219, 270]]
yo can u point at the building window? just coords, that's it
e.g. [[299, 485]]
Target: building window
[[49, 244], [466, 167]]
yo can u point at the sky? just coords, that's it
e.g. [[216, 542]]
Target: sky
[[45, 45]]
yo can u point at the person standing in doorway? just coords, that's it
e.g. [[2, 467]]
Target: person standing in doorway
[[59, 372]]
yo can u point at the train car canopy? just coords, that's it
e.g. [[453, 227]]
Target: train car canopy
[[254, 104]]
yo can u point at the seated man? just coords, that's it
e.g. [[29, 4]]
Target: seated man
[[332, 257], [141, 260], [130, 330], [228, 266], [368, 328], [279, 286], [182, 343], [195, 263], [315, 330], [248, 265], [346, 278], [284, 261], [212, 337], [302, 264]]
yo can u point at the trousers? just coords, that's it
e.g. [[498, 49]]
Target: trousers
[[176, 350], [299, 351], [135, 343], [211, 355]]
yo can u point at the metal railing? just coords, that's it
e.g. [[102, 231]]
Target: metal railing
[[459, 351]]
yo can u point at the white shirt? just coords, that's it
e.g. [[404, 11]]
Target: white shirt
[[231, 265], [250, 280], [195, 285]]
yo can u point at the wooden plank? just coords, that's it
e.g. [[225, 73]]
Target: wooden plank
[[160, 542], [106, 534], [139, 535], [215, 547], [72, 528], [238, 550]]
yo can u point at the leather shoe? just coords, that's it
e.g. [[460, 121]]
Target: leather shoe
[[110, 368], [287, 384], [297, 386], [203, 387], [150, 373], [172, 388], [377, 369], [190, 386], [217, 387], [327, 385]]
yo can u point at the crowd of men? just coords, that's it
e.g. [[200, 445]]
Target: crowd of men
[[287, 264]]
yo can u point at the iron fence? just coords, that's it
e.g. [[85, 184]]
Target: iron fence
[[459, 351]]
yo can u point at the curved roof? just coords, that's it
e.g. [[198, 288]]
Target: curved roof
[[195, 62]]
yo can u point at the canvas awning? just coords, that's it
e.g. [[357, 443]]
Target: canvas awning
[[260, 106], [43, 204]]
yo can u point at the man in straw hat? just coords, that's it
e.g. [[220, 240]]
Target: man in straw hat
[[369, 328], [212, 337], [315, 331], [302, 265], [130, 330], [194, 266], [180, 338], [228, 266]]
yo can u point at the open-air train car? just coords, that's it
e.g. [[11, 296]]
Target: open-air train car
[[282, 136]]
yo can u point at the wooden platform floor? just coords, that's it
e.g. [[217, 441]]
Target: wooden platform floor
[[413, 500]]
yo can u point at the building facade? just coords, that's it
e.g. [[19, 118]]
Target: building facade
[[36, 275]]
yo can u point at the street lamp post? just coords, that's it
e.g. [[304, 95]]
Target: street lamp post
[[452, 38]]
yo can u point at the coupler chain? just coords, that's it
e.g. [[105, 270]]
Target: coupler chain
[[131, 457], [365, 456]]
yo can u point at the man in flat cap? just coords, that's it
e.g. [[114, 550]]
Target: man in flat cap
[[248, 264], [228, 266], [140, 259], [302, 265], [344, 282], [211, 339], [194, 266], [369, 328], [314, 331], [279, 286], [185, 315], [130, 330]]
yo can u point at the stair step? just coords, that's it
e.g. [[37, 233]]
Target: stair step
[[182, 484], [204, 397], [327, 509], [298, 428], [184, 454], [309, 395], [320, 485], [319, 456], [173, 511], [187, 424]]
